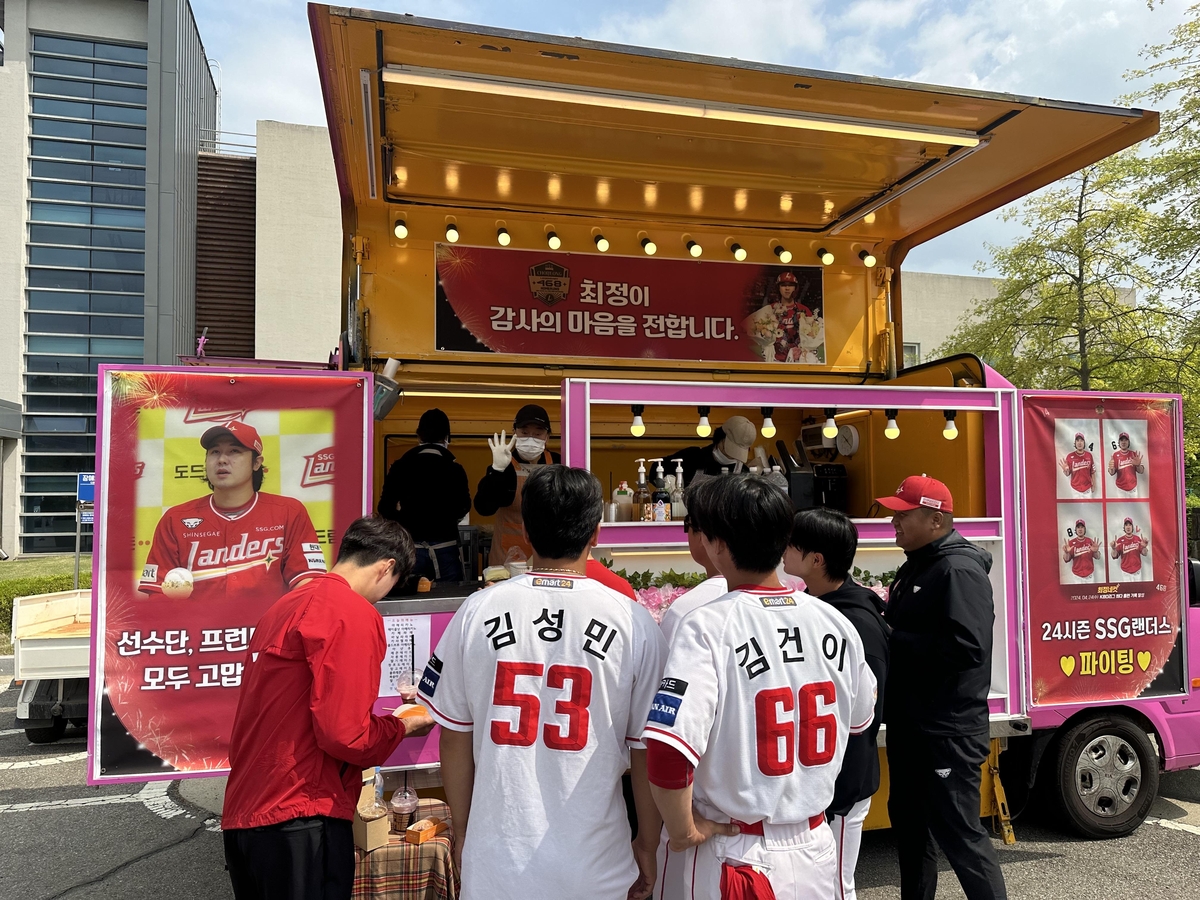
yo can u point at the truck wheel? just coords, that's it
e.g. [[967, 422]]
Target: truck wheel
[[47, 735], [1107, 776]]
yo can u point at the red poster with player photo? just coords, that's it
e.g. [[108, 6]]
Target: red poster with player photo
[[217, 491], [1102, 573]]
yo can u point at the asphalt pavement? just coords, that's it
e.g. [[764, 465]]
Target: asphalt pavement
[[64, 839]]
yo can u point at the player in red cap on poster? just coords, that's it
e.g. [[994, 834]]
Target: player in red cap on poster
[[935, 703], [237, 540], [1125, 464], [1129, 547], [1079, 466], [1081, 552]]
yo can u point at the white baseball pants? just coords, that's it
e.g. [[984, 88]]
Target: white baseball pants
[[847, 835]]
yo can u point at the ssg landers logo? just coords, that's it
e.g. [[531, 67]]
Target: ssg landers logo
[[318, 468]]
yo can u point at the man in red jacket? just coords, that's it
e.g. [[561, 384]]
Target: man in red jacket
[[304, 730]]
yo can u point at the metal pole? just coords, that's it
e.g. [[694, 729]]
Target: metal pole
[[78, 538]]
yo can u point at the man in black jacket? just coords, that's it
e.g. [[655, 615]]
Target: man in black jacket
[[821, 552], [426, 491], [940, 611]]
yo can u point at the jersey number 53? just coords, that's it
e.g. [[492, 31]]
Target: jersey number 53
[[573, 736], [776, 739]]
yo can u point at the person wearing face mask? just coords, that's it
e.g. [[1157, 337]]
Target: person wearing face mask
[[426, 491], [730, 448], [499, 491]]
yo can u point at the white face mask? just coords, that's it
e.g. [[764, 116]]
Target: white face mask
[[721, 458], [530, 447]]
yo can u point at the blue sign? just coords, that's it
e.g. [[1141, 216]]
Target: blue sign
[[85, 487], [87, 517]]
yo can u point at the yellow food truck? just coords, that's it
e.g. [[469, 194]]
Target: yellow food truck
[[646, 243]]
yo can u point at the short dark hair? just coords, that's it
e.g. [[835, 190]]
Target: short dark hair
[[830, 533], [749, 513], [372, 538], [434, 427], [561, 507]]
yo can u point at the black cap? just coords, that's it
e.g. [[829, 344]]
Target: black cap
[[532, 414], [434, 426]]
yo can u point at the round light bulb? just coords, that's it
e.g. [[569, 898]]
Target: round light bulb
[[739, 252], [695, 249], [826, 257], [638, 428], [891, 431], [868, 258], [950, 432], [602, 243], [400, 229], [452, 233], [648, 245], [785, 256], [503, 238], [703, 428], [830, 429], [553, 241], [768, 428]]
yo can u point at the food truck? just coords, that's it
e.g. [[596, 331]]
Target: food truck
[[646, 243]]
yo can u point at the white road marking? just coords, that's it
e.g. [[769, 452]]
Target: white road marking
[[9, 731], [153, 796], [1174, 826], [43, 761]]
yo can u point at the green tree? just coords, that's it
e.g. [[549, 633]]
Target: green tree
[[1076, 308]]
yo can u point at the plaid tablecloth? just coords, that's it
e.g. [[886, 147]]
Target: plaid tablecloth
[[403, 871]]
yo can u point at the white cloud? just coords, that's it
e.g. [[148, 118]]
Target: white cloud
[[1063, 49]]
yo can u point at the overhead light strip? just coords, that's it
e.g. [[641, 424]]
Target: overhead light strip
[[671, 106]]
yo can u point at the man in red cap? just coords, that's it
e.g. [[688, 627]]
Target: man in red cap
[[1081, 552], [788, 311], [1079, 466], [941, 614], [238, 541], [1125, 464], [1129, 547]]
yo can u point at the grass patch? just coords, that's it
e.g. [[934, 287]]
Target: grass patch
[[35, 566]]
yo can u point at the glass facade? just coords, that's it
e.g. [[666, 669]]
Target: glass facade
[[85, 264]]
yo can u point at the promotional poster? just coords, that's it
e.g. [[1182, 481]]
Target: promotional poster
[[1103, 577], [217, 492], [529, 302]]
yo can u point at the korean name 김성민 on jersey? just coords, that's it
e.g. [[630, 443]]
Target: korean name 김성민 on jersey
[[554, 676]]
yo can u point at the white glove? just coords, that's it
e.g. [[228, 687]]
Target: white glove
[[502, 450]]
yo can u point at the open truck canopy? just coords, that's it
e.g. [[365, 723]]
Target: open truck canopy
[[439, 118]]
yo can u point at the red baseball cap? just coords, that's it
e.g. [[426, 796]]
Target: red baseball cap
[[244, 434], [919, 490], [1079, 436], [1079, 522]]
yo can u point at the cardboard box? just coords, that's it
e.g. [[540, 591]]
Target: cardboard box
[[424, 830], [370, 834]]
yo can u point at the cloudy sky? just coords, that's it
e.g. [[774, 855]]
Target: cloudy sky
[[1074, 50]]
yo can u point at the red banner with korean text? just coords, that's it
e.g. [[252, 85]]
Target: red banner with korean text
[[217, 492], [591, 304], [1103, 525]]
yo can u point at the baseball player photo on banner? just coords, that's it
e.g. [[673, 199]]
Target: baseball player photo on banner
[[1126, 476], [1075, 446], [218, 491], [1104, 593], [1128, 546], [1081, 536]]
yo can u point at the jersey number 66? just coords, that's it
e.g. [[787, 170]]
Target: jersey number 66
[[776, 739]]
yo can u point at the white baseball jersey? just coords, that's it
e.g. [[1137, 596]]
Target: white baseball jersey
[[705, 592], [760, 692], [554, 675]]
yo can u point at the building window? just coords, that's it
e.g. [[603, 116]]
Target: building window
[[912, 355], [84, 264]]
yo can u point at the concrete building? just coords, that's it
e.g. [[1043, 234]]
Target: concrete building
[[934, 306], [103, 105]]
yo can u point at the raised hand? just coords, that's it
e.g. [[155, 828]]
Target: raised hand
[[502, 450]]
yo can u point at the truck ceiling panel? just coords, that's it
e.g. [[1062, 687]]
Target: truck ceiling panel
[[451, 137]]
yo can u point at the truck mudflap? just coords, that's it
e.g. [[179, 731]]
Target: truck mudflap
[[42, 701]]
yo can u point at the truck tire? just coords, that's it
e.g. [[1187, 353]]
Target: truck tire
[[1107, 776], [47, 735]]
